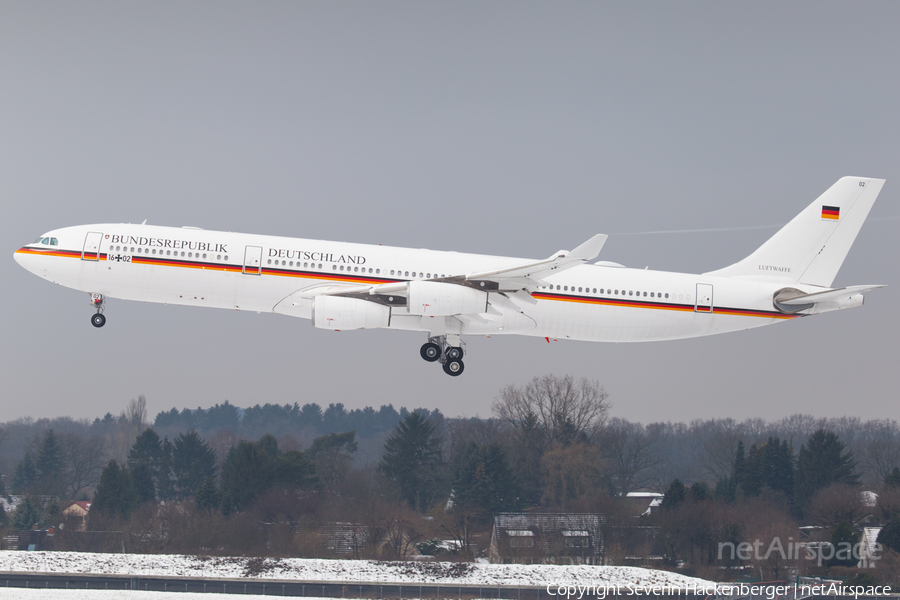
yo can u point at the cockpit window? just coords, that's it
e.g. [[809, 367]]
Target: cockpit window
[[47, 241]]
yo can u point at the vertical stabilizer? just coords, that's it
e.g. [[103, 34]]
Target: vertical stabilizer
[[811, 248]]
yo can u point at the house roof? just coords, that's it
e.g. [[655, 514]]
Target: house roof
[[547, 525]]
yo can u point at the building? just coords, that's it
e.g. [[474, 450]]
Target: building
[[76, 514], [557, 538]]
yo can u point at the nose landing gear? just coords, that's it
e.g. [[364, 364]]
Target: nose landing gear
[[97, 319], [449, 352]]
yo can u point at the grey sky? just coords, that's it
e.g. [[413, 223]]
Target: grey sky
[[502, 128]]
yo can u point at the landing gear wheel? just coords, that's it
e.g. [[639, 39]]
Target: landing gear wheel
[[454, 353], [454, 367], [430, 352], [98, 320]]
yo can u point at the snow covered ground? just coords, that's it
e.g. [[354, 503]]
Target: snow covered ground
[[23, 594], [344, 571]]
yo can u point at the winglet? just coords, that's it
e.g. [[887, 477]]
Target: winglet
[[590, 249]]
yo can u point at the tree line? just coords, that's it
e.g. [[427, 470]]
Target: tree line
[[550, 446]]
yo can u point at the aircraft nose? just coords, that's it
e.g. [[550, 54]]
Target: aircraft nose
[[21, 256]]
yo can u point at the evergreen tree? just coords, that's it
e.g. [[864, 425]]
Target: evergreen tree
[[889, 536], [25, 474], [751, 483], [844, 539], [820, 463], [115, 495], [483, 481], [193, 460], [699, 492], [778, 466], [412, 461], [27, 514], [165, 487], [143, 483], [207, 497], [293, 470], [50, 459], [727, 489], [892, 479], [268, 444], [332, 456], [247, 472], [675, 495], [147, 451]]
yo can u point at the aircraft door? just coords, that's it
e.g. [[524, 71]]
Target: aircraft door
[[704, 298], [252, 260], [91, 250]]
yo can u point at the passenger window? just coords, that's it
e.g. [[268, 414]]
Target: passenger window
[[377, 271]]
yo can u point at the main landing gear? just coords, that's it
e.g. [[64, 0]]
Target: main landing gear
[[450, 355], [97, 319]]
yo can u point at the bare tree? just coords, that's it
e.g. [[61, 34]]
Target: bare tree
[[836, 503], [719, 448], [562, 409], [84, 459], [130, 424], [569, 473], [878, 449], [629, 453]]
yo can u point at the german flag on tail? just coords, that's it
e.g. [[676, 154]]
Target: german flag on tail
[[831, 212]]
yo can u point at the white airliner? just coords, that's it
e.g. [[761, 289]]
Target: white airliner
[[447, 295]]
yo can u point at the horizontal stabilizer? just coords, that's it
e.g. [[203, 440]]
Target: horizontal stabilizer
[[829, 295]]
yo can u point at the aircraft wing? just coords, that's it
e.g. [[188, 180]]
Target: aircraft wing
[[532, 273], [511, 278]]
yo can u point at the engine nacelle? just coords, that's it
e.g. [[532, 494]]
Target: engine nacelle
[[337, 312], [436, 299]]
